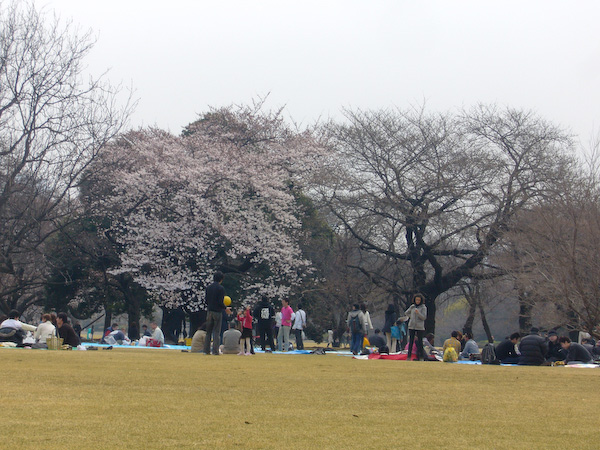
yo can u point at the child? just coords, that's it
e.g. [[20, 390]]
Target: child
[[245, 318]]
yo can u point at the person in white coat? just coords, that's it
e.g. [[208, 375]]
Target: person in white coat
[[368, 323], [44, 329]]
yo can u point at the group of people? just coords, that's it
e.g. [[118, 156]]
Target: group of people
[[14, 331], [238, 338], [530, 350], [411, 323], [536, 350], [115, 335]]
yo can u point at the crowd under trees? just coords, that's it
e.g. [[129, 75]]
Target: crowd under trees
[[485, 203]]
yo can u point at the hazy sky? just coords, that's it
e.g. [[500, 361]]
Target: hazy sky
[[316, 57]]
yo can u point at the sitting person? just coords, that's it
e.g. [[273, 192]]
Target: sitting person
[[453, 342], [106, 333], [198, 339], [231, 341], [576, 353], [588, 343], [555, 351], [428, 343], [157, 333], [506, 351], [533, 349], [44, 330], [65, 330], [379, 341], [117, 336], [145, 331], [13, 330], [471, 347]]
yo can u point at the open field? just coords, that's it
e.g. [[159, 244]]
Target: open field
[[141, 398]]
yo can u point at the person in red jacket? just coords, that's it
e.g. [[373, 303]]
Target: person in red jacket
[[245, 319]]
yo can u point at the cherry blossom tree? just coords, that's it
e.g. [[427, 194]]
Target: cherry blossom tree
[[220, 197]]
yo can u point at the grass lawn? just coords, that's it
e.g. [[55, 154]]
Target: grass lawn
[[161, 399]]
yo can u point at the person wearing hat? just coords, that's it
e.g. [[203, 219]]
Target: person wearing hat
[[555, 351], [533, 349]]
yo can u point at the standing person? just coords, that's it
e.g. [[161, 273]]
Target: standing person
[[298, 327], [277, 327], [225, 321], [390, 321], [264, 314], [66, 331], [215, 293], [368, 323], [245, 319], [283, 336], [417, 313], [356, 325], [329, 338]]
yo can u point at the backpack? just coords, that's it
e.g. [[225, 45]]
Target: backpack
[[265, 313], [355, 325], [488, 354], [450, 355], [395, 332]]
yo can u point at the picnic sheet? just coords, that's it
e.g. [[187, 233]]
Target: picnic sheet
[[185, 347]]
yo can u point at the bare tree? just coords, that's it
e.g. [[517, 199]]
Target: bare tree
[[52, 125], [557, 267], [434, 193]]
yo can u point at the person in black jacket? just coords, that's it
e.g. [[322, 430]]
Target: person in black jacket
[[390, 320], [555, 351], [576, 353], [215, 293], [533, 349], [65, 330], [265, 314], [506, 351]]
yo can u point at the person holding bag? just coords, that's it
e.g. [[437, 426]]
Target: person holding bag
[[417, 313]]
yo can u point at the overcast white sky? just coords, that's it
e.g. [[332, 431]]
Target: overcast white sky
[[316, 57]]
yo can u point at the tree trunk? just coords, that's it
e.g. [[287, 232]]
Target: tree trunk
[[485, 324], [471, 314], [430, 320], [107, 319], [524, 314], [133, 316]]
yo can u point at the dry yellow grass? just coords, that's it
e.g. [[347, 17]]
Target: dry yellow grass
[[135, 399]]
